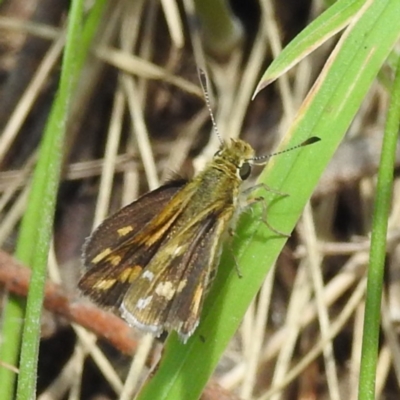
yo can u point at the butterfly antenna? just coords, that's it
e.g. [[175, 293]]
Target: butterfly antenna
[[311, 140], [204, 86]]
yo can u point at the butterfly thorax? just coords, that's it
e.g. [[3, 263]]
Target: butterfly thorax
[[217, 187]]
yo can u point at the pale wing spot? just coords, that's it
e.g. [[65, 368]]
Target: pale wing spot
[[125, 230], [181, 285], [125, 274], [101, 255], [143, 303], [114, 260], [198, 294], [177, 251], [148, 275], [104, 284], [135, 272], [165, 289]]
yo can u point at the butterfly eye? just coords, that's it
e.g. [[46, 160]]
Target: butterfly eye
[[245, 171]]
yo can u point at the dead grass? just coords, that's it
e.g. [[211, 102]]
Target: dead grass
[[138, 118]]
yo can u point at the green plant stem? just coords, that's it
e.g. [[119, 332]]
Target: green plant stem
[[222, 31], [378, 246], [12, 323], [36, 227]]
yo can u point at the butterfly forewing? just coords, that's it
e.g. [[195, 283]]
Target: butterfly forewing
[[113, 254], [128, 221]]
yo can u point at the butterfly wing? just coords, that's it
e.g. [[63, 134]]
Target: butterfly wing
[[169, 294], [113, 254], [128, 221]]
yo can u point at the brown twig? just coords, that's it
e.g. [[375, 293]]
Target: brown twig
[[16, 277]]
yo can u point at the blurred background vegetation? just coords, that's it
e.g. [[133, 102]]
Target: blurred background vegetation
[[127, 113]]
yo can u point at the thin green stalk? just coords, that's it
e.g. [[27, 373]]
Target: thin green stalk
[[222, 31], [12, 322], [38, 219], [378, 246], [36, 227]]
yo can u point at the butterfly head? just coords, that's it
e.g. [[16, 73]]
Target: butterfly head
[[237, 156]]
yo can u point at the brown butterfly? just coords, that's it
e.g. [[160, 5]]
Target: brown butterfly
[[155, 258]]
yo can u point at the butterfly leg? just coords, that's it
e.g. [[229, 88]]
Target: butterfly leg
[[265, 187], [261, 200], [264, 205]]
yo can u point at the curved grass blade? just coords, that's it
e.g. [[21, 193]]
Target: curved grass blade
[[328, 24], [327, 112]]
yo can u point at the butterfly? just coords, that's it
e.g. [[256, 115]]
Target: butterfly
[[155, 258]]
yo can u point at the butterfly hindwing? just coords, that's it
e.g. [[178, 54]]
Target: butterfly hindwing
[[169, 293]]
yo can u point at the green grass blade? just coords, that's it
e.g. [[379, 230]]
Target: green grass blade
[[327, 112], [38, 219], [328, 24], [13, 311], [378, 246], [12, 322], [36, 227]]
